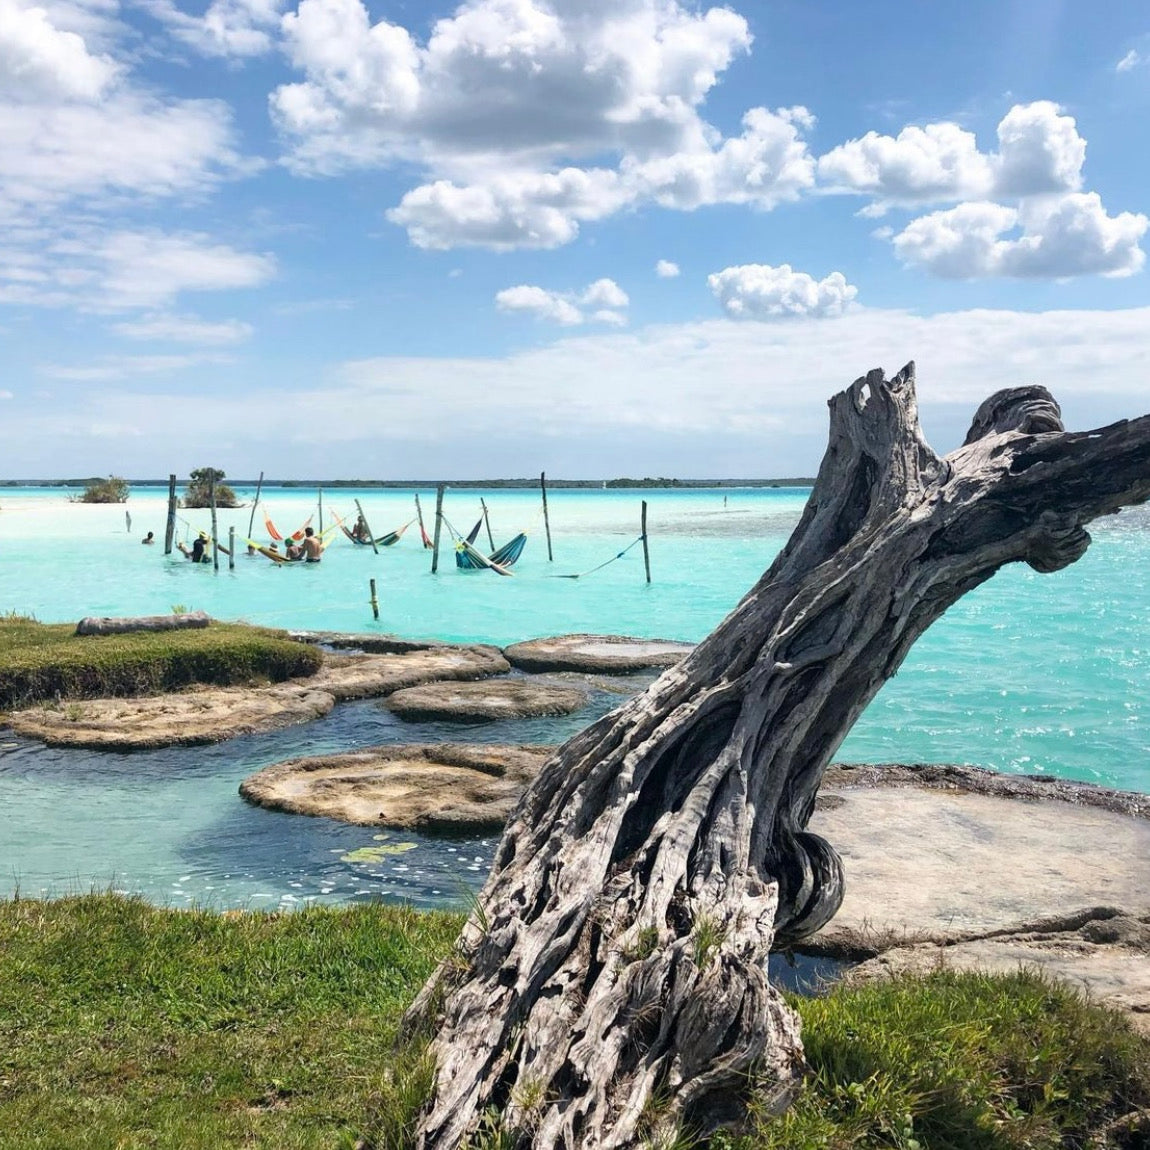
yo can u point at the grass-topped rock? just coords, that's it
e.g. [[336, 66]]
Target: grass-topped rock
[[49, 662]]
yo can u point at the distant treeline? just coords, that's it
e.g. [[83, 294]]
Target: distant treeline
[[798, 481]]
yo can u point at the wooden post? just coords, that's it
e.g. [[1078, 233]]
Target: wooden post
[[546, 518], [170, 530], [321, 511], [370, 533], [438, 521], [128, 521], [422, 531], [252, 517], [212, 504], [643, 529], [488, 524], [374, 601], [231, 548]]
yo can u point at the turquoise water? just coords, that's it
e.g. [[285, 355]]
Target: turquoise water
[[1028, 674]]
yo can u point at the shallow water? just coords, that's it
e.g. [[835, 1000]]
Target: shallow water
[[1028, 674]]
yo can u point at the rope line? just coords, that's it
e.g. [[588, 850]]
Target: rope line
[[605, 563]]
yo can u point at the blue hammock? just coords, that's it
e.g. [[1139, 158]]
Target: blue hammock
[[468, 558]]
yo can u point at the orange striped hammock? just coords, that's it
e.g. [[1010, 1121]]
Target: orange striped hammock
[[273, 531]]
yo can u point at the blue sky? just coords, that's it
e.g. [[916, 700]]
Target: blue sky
[[596, 237]]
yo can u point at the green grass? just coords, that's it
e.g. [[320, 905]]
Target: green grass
[[960, 1062], [48, 662], [125, 1026]]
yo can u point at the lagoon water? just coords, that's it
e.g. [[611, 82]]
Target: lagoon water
[[1031, 674]]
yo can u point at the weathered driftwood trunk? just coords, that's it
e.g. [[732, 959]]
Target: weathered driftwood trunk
[[612, 982]]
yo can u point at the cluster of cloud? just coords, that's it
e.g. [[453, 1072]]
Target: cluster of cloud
[[116, 271], [600, 302], [1048, 227], [762, 292], [1131, 60], [82, 142]]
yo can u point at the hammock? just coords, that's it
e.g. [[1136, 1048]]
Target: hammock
[[274, 532], [505, 556], [468, 558], [388, 540]]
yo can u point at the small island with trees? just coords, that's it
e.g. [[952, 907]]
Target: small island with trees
[[114, 489], [199, 490]]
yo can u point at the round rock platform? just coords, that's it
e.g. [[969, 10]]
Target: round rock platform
[[444, 788], [595, 654], [484, 702]]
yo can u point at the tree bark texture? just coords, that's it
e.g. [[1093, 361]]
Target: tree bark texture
[[611, 984]]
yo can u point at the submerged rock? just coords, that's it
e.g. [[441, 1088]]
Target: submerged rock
[[446, 787], [595, 654], [482, 702]]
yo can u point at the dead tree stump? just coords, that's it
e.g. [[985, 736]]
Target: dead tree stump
[[611, 984]]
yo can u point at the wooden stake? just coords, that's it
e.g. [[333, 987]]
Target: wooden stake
[[438, 521], [231, 548], [252, 517], [422, 532], [643, 529], [170, 530], [321, 511], [128, 521], [374, 601], [488, 523], [212, 504], [370, 533], [546, 517]]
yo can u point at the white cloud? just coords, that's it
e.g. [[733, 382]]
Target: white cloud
[[1068, 236], [568, 309], [762, 292], [937, 162], [5, 394], [666, 269], [711, 398], [531, 119], [1039, 151], [113, 368], [184, 329], [1131, 60], [39, 60], [228, 28], [127, 145], [125, 270]]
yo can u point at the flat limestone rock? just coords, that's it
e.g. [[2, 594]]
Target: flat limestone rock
[[186, 718], [1108, 956], [108, 625], [370, 676], [372, 643], [968, 868], [482, 702], [595, 654], [446, 787]]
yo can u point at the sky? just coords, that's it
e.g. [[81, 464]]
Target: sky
[[594, 237]]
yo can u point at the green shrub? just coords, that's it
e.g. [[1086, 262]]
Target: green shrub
[[49, 662], [110, 490]]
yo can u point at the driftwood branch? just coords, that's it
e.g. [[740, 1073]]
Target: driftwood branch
[[613, 982]]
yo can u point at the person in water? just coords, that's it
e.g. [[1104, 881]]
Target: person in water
[[149, 538], [312, 547], [292, 549], [359, 531], [198, 553]]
